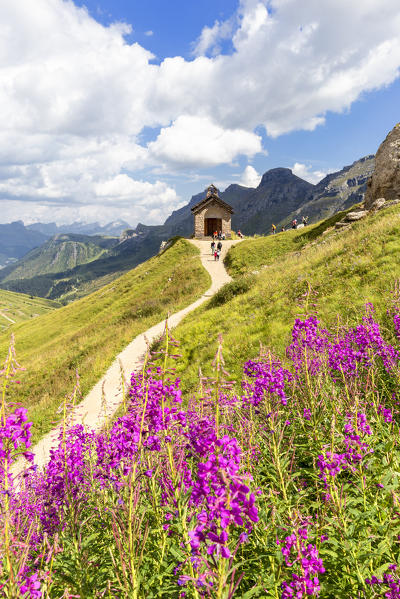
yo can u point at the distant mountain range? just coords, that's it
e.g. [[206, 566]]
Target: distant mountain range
[[114, 229], [76, 261], [16, 240]]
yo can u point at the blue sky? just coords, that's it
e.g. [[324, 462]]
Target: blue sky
[[123, 109], [175, 24]]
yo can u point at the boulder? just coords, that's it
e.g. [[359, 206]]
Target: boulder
[[377, 204], [385, 182], [392, 203], [353, 216]]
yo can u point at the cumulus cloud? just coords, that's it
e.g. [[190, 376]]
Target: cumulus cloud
[[197, 141], [75, 96], [305, 171], [250, 177]]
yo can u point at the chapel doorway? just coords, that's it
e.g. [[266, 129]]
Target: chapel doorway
[[211, 225]]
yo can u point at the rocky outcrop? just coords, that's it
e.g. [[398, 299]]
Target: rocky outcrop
[[385, 182]]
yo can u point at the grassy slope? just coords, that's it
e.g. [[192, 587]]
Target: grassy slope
[[90, 332], [17, 307], [253, 254], [55, 256], [344, 270]]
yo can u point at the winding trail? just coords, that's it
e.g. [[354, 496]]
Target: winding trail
[[107, 395]]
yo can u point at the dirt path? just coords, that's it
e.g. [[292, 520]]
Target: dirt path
[[93, 410]]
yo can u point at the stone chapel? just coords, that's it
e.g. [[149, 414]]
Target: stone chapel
[[212, 214]]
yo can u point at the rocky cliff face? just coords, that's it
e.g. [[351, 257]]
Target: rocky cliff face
[[385, 182], [338, 191], [279, 193]]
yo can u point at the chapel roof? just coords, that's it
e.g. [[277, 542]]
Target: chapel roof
[[211, 197]]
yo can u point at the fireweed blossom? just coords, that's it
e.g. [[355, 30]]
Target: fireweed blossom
[[386, 413], [388, 586], [303, 557], [15, 438], [396, 323], [309, 342], [225, 498], [355, 449], [31, 587], [358, 348], [265, 378]]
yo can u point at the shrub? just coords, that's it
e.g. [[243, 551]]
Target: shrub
[[230, 290]]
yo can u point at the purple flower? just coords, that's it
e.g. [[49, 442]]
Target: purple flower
[[31, 585], [304, 559], [266, 378]]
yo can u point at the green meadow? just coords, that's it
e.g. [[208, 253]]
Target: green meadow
[[18, 307]]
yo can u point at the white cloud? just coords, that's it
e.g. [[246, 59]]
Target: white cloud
[[75, 96], [250, 177], [197, 141], [149, 33], [304, 171], [210, 37]]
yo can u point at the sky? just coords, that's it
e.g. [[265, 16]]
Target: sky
[[123, 109]]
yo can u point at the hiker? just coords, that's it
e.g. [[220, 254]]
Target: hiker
[[294, 223], [305, 220], [212, 247], [219, 245], [223, 236], [215, 255], [273, 229], [218, 255], [215, 235], [240, 234], [220, 235], [283, 228]]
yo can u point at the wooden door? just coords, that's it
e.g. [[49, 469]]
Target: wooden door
[[211, 225]]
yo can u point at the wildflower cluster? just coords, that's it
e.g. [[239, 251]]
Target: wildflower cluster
[[388, 586], [265, 377], [187, 497], [303, 558], [355, 449]]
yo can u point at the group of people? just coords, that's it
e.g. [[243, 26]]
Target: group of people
[[304, 222], [216, 249], [218, 235]]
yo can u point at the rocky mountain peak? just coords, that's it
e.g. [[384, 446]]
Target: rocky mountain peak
[[385, 181], [276, 175]]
